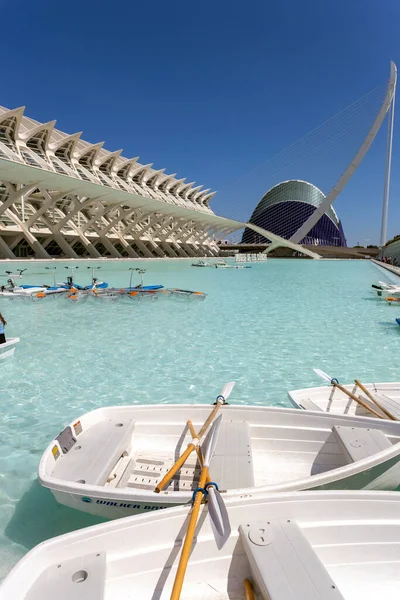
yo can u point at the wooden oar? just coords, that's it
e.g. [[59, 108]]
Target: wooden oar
[[333, 382], [198, 449], [184, 456], [375, 401], [191, 528], [248, 590], [216, 506]]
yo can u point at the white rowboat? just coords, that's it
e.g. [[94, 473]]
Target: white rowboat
[[293, 546], [109, 461], [333, 400]]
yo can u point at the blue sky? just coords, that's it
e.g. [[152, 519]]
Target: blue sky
[[208, 90]]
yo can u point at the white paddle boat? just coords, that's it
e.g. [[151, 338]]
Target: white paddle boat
[[8, 348], [32, 292], [222, 264], [384, 289]]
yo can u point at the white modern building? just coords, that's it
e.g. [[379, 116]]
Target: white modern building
[[63, 197]]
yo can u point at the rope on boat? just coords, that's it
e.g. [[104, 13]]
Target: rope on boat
[[199, 489]]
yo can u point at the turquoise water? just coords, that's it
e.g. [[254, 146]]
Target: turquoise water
[[265, 328]]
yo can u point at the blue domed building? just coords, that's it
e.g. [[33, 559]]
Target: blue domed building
[[284, 209]]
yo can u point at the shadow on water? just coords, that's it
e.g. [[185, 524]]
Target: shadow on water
[[38, 517], [389, 324]]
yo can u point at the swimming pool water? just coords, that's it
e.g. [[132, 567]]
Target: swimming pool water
[[265, 328]]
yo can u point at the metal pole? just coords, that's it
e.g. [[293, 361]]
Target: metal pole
[[386, 188]]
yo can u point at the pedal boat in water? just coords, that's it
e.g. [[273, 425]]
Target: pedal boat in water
[[8, 348], [384, 289], [178, 293], [332, 400], [31, 292], [203, 263], [222, 264], [109, 461], [291, 546]]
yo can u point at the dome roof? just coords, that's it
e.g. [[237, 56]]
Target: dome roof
[[298, 191]]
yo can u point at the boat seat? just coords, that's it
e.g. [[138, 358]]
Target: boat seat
[[308, 404], [358, 443], [231, 465], [95, 452], [283, 563], [59, 580], [393, 406]]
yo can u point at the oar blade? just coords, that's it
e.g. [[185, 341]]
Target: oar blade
[[323, 375], [227, 389], [218, 516], [212, 440]]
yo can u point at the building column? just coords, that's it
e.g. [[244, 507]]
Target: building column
[[170, 252], [64, 245], [143, 248], [30, 238], [5, 250]]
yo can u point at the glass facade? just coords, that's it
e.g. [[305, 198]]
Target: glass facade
[[284, 209]]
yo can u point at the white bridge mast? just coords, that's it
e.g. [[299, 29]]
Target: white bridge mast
[[386, 186], [338, 187]]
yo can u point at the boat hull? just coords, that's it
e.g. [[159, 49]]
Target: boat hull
[[8, 349], [110, 508], [383, 477], [353, 537], [292, 450]]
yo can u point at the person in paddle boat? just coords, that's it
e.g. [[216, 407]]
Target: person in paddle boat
[[3, 322]]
